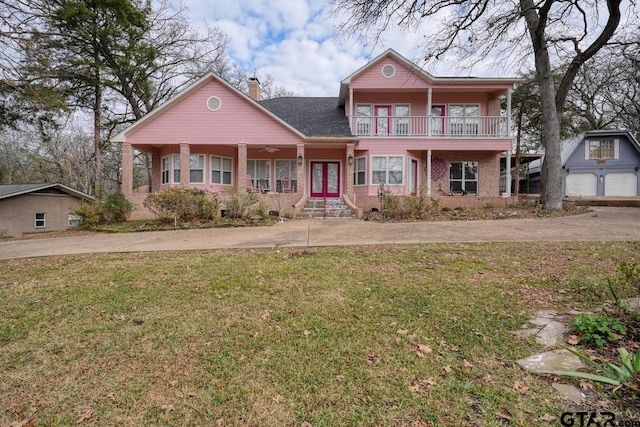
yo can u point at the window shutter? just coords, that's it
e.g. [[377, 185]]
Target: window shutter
[[586, 149], [616, 148]]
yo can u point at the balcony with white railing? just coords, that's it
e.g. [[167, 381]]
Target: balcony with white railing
[[432, 127]]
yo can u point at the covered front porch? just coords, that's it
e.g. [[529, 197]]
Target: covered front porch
[[284, 176]]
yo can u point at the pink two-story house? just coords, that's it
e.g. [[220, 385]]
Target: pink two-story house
[[393, 127]]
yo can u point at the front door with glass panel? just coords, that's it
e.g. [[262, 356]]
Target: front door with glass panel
[[325, 179]]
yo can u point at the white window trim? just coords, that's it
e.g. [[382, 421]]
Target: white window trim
[[404, 161], [355, 171], [204, 169], [464, 104], [370, 119], [616, 149], [44, 220], [397, 118], [222, 171], [269, 177], [393, 67]]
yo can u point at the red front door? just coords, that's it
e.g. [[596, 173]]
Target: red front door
[[325, 179]]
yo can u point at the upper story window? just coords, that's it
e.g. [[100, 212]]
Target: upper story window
[[402, 121], [214, 103], [464, 119], [600, 150], [363, 119]]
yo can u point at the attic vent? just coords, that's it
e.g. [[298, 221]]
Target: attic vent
[[214, 103], [388, 70]]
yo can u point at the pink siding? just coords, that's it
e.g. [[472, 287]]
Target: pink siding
[[418, 100], [403, 78], [190, 121]]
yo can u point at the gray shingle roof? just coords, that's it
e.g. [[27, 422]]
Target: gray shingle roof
[[314, 117], [18, 189]]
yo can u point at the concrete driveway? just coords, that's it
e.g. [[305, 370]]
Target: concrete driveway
[[603, 224]]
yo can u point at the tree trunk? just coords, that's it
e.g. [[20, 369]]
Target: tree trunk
[[551, 179], [97, 119]]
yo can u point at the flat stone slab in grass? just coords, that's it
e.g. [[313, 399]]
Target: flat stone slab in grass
[[552, 335], [556, 360], [540, 321], [570, 392], [634, 303], [524, 333]]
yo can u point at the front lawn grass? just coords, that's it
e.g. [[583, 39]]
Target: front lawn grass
[[386, 335]]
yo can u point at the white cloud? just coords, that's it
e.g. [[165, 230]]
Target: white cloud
[[294, 41]]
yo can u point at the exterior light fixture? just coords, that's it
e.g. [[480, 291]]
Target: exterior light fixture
[[350, 159], [300, 159]]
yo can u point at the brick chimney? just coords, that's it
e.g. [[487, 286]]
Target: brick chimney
[[254, 88]]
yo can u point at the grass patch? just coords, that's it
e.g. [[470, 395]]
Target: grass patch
[[393, 335]]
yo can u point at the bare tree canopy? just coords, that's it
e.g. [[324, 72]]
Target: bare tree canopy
[[524, 31]]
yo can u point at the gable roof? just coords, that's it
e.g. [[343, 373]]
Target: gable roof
[[7, 191], [314, 117], [390, 53], [121, 136]]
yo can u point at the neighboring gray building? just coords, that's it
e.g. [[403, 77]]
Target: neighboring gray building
[[32, 208], [598, 163]]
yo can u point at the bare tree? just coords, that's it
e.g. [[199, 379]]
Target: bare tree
[[571, 31]]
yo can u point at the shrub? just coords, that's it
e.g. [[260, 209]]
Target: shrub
[[243, 205], [598, 330], [105, 209], [183, 204]]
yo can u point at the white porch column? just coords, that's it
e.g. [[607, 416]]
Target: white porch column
[[429, 104], [508, 175], [301, 188], [185, 164], [429, 173]]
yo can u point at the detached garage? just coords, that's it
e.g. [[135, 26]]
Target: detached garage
[[602, 163]]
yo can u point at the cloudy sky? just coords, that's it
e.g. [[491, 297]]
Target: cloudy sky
[[295, 42]]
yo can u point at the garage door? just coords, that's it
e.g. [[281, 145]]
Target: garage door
[[582, 184], [621, 184]]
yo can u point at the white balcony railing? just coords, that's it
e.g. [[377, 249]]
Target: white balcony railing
[[437, 127]]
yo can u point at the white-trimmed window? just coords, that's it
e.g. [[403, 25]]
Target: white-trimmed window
[[387, 170], [165, 166], [463, 177], [402, 120], [363, 119], [176, 168], [464, 119], [600, 150], [41, 220], [286, 169], [73, 220], [196, 169], [221, 170], [360, 171], [260, 172]]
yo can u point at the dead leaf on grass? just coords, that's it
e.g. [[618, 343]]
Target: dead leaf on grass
[[167, 408], [87, 412], [220, 422], [467, 365], [307, 333], [402, 332], [23, 423], [373, 359], [502, 416], [339, 378], [547, 418], [519, 387], [264, 316], [422, 350], [585, 385], [448, 369]]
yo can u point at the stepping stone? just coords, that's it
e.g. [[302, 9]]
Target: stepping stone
[[549, 314], [634, 303], [552, 335], [570, 392], [540, 321], [524, 333], [556, 360]]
